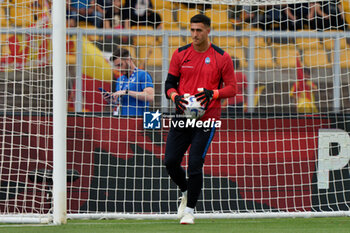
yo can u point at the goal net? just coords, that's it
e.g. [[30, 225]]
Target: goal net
[[282, 149]]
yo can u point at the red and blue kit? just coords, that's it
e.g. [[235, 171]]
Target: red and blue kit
[[212, 70]]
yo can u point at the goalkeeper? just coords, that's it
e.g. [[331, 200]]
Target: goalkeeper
[[199, 69]]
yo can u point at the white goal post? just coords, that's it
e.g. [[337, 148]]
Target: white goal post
[[283, 148]]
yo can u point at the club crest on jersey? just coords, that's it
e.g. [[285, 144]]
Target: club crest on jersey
[[207, 60]]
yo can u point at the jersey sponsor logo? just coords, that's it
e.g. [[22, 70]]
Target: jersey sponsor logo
[[190, 67], [187, 60], [207, 60]]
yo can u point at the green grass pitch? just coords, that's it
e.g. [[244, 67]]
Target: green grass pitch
[[295, 225]]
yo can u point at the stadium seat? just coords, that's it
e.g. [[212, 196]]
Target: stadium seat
[[219, 7], [219, 19], [282, 46], [151, 56], [308, 42], [21, 2], [86, 25], [286, 57], [5, 49], [184, 15], [263, 58], [259, 41], [171, 51], [238, 53], [227, 42], [162, 4], [329, 42], [147, 40], [315, 58], [3, 19], [346, 8], [176, 41], [71, 59], [168, 21], [21, 16], [173, 40], [344, 58]]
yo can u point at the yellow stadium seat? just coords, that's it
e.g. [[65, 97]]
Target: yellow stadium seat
[[184, 15], [283, 46], [173, 39], [263, 58], [188, 40], [346, 8], [308, 42], [151, 56], [329, 42], [286, 57], [85, 25], [219, 19], [315, 58], [21, 16], [219, 7], [344, 58], [259, 41], [238, 53], [160, 4], [147, 40], [176, 41], [227, 41], [4, 44], [3, 19], [171, 51], [168, 21], [21, 2], [71, 59]]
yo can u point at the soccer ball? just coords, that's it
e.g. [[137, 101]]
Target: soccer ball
[[194, 110]]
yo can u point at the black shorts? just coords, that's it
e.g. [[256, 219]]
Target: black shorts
[[180, 139]]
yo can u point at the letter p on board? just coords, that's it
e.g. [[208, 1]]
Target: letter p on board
[[327, 162]]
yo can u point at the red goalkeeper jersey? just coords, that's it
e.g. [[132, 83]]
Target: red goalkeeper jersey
[[210, 69]]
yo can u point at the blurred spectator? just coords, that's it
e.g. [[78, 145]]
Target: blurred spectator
[[252, 15], [107, 7], [273, 17], [140, 12], [330, 15], [84, 11], [294, 16], [115, 18]]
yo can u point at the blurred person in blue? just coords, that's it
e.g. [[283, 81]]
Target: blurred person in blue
[[133, 90], [85, 11]]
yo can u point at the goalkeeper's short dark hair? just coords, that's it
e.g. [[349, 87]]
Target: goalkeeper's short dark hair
[[120, 53], [200, 18]]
